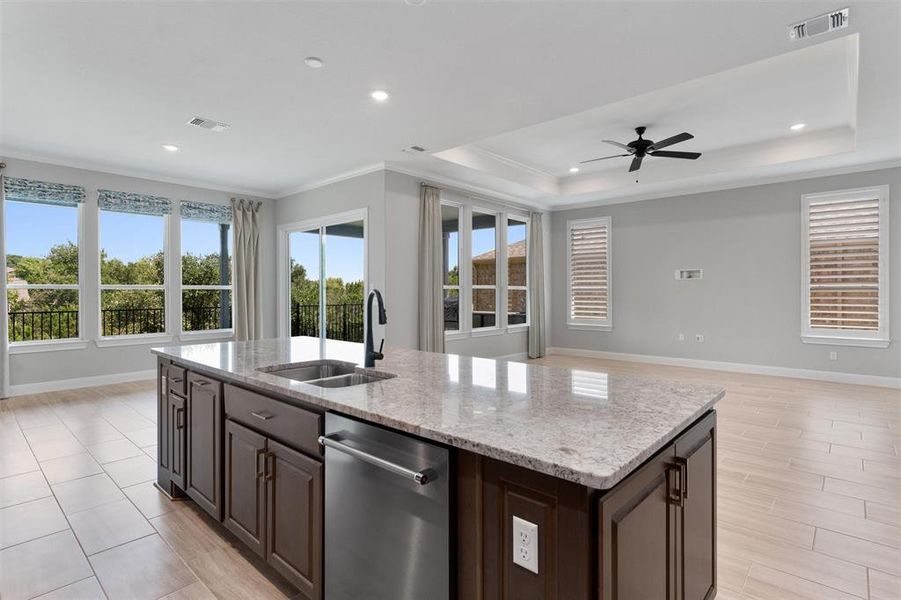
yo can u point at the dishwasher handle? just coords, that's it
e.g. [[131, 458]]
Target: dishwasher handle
[[421, 477]]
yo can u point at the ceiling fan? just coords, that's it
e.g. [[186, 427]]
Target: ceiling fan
[[641, 147]]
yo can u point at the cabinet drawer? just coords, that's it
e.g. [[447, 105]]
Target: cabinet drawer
[[178, 380], [289, 424]]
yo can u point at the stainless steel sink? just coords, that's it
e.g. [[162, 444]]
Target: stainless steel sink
[[347, 380], [315, 369]]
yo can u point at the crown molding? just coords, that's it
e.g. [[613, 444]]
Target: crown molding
[[456, 184], [373, 168], [137, 174], [703, 188]]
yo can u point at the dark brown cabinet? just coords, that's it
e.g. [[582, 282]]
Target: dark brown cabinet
[[178, 440], [273, 503], [294, 517], [204, 455], [695, 454], [245, 487], [651, 537], [658, 527], [636, 537]]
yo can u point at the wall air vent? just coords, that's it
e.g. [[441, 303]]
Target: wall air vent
[[819, 25], [208, 124]]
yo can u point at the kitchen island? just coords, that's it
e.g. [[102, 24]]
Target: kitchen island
[[615, 472]]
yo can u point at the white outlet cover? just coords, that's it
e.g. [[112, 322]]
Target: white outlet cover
[[699, 337], [525, 544]]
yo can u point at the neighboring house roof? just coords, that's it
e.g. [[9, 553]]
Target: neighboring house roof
[[516, 250]]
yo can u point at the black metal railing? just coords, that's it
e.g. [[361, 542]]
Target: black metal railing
[[36, 325], [342, 321]]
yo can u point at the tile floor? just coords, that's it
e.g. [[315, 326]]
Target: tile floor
[[809, 489], [80, 518]]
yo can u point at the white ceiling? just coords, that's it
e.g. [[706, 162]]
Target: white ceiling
[[103, 85]]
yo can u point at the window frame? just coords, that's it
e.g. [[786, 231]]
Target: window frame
[[23, 347], [459, 286], [283, 234], [122, 340], [589, 324], [499, 239], [880, 338], [467, 205], [220, 331], [527, 222]]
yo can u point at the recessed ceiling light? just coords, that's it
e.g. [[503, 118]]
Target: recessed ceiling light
[[379, 95], [574, 169], [314, 62], [798, 126], [170, 148]]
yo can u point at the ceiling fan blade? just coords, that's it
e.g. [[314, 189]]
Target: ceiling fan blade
[[636, 164], [604, 158], [671, 154], [618, 145], [671, 140]]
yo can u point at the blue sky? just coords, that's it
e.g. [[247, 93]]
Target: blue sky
[[32, 229], [343, 255]]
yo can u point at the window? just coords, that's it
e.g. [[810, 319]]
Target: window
[[517, 272], [589, 274], [42, 263], [326, 282], [450, 235], [132, 263], [845, 267], [485, 263], [206, 267], [484, 270]]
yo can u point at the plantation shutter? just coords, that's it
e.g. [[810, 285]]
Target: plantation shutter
[[589, 271], [844, 281]]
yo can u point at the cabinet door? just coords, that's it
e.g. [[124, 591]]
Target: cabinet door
[[162, 417], [204, 479], [696, 517], [245, 490], [637, 533], [178, 440], [294, 518]]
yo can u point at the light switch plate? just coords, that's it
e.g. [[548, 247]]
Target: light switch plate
[[525, 544]]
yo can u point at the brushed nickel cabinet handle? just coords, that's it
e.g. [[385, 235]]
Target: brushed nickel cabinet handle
[[263, 416], [202, 382]]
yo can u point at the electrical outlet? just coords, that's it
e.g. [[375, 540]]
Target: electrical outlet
[[681, 337], [833, 356], [525, 544], [699, 337]]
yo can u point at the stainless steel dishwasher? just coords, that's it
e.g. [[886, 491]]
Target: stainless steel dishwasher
[[387, 514]]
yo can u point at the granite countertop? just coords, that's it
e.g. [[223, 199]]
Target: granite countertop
[[589, 427]]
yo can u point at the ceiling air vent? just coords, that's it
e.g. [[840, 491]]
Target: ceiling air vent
[[414, 150], [819, 25], [208, 124]]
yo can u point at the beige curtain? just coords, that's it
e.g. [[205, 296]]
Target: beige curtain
[[431, 290], [537, 328], [247, 284], [4, 308]]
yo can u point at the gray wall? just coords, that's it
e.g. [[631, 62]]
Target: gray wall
[[748, 305], [392, 200], [93, 361]]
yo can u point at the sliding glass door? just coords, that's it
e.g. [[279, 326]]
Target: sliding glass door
[[327, 280]]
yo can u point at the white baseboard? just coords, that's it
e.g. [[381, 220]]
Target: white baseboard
[[79, 382], [514, 356], [834, 376]]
